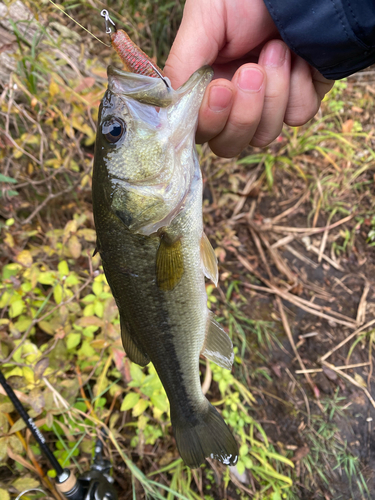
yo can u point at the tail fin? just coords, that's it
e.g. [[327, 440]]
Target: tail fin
[[210, 437]]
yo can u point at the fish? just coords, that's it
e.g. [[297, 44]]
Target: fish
[[147, 205]]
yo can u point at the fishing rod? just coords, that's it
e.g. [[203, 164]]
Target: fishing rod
[[95, 484]]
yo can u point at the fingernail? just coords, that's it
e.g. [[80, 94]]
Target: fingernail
[[219, 98], [250, 80], [275, 55]]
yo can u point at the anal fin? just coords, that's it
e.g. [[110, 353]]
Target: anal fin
[[209, 260], [132, 350], [169, 264], [217, 345]]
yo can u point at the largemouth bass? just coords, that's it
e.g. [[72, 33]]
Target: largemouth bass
[[147, 201]]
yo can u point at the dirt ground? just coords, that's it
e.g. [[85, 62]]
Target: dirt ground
[[326, 418]]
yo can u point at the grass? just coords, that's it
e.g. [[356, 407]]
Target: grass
[[60, 343]]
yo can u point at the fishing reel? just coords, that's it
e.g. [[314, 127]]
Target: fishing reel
[[95, 484]]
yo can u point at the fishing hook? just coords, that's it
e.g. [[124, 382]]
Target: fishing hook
[[104, 13]]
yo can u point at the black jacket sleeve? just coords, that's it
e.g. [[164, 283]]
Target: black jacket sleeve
[[337, 37]]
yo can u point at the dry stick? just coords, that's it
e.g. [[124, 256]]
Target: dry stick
[[282, 312], [279, 263], [340, 283], [291, 209], [363, 327], [324, 240], [294, 299], [310, 247], [361, 312], [351, 380], [295, 350], [246, 191], [10, 139], [306, 230], [283, 241], [301, 257], [343, 367]]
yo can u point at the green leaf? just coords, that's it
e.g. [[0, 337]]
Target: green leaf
[[46, 278], [72, 340], [98, 308], [11, 270], [86, 350], [63, 268], [97, 288], [136, 373], [240, 467], [160, 401], [16, 308], [9, 180], [244, 450], [130, 401], [58, 294], [140, 407], [89, 298]]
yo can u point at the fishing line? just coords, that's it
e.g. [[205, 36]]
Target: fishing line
[[80, 25]]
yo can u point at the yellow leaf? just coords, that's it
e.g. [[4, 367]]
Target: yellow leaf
[[15, 444], [75, 247], [53, 88], [140, 407], [17, 153], [70, 227], [359, 380], [8, 240], [4, 495], [25, 258], [25, 483], [46, 327], [3, 448], [16, 372], [28, 375]]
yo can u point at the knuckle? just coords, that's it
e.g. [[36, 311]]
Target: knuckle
[[301, 112], [263, 137]]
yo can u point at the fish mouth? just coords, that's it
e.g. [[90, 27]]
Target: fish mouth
[[141, 88]]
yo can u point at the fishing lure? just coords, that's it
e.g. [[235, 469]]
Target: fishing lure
[[133, 58]]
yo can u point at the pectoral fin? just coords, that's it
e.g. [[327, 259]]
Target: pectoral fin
[[217, 345], [132, 351], [209, 260], [169, 264]]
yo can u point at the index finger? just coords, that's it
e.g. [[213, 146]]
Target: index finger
[[195, 45]]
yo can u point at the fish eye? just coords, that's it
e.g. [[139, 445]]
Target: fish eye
[[113, 129]]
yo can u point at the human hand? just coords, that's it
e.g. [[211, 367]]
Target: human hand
[[259, 83]]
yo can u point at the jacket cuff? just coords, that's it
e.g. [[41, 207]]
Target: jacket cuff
[[327, 34]]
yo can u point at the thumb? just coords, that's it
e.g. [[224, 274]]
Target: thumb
[[195, 44]]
